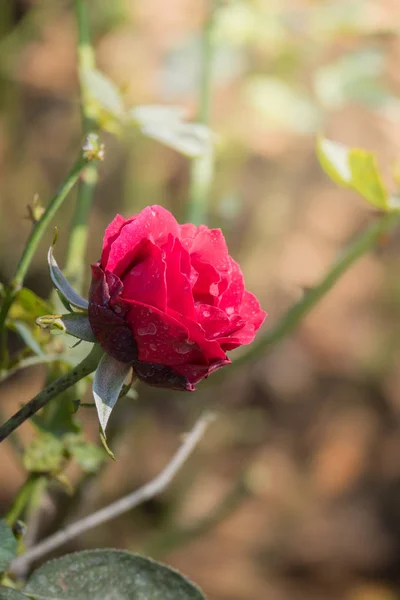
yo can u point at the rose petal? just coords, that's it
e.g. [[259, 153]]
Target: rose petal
[[206, 288], [161, 338], [154, 223], [231, 299], [161, 376], [211, 349], [146, 281], [251, 311], [195, 373], [243, 336], [179, 289], [209, 246], [215, 322], [111, 235], [188, 232]]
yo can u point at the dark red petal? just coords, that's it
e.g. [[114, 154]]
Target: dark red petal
[[251, 311], [111, 235], [154, 223], [161, 376], [145, 282], [112, 333], [195, 373], [161, 338]]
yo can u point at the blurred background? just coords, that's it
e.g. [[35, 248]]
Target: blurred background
[[294, 493]]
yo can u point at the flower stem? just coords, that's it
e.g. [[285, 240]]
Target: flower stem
[[202, 168], [75, 262], [87, 366], [31, 246], [290, 320]]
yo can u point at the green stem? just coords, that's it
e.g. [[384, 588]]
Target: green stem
[[202, 168], [22, 499], [348, 256], [31, 246], [75, 262], [87, 366]]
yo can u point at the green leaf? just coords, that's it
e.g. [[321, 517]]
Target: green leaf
[[8, 545], [89, 456], [45, 454], [7, 593], [104, 91], [28, 306], [109, 575], [355, 169]]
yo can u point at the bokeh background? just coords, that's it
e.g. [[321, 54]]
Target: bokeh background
[[294, 493]]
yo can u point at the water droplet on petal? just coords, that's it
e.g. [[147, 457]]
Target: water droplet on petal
[[150, 329], [206, 314], [229, 310]]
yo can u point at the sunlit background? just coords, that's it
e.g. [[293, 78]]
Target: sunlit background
[[294, 493]]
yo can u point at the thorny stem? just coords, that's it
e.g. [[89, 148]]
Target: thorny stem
[[31, 246], [75, 262], [87, 366], [348, 256], [202, 167], [115, 509]]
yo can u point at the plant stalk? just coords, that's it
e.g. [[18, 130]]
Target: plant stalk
[[87, 366], [31, 247], [202, 167], [365, 242], [76, 250]]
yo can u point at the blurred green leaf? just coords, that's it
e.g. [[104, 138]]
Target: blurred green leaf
[[165, 124], [101, 574], [8, 545], [28, 336], [104, 91], [355, 169], [89, 456], [7, 593], [352, 77], [279, 105], [45, 454], [28, 306]]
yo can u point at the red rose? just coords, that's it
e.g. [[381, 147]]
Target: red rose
[[169, 299]]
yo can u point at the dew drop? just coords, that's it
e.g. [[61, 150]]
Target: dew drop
[[153, 347], [151, 329], [183, 347], [229, 310], [206, 314]]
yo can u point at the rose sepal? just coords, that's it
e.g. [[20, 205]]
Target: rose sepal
[[75, 324], [62, 284], [107, 385]]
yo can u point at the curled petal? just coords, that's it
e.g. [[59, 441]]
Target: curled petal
[[154, 223]]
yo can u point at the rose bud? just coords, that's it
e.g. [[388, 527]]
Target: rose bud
[[169, 300]]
